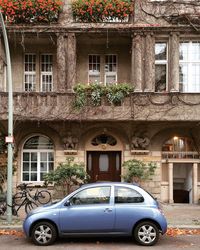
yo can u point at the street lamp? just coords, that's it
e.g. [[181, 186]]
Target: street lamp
[[10, 123]]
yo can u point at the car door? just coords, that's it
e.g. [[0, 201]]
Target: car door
[[129, 208], [88, 211]]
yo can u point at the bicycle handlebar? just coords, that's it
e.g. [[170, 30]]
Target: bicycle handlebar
[[23, 186]]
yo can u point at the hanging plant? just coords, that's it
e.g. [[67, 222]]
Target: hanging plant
[[93, 93], [117, 93], [101, 10]]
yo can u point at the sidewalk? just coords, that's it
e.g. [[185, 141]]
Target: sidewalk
[[182, 215], [178, 216]]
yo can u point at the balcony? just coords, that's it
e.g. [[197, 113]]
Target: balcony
[[180, 155], [136, 107]]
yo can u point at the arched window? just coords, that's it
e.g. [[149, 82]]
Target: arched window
[[104, 139], [37, 159]]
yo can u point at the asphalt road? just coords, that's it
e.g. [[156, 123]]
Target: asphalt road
[[184, 242]]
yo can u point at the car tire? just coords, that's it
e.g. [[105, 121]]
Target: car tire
[[43, 233], [146, 233]]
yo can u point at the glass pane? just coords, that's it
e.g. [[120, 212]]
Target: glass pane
[[33, 166], [183, 54], [25, 177], [33, 176], [195, 51], [127, 195], [42, 176], [25, 156], [94, 78], [33, 156], [51, 166], [43, 156], [43, 166], [160, 51], [117, 162], [103, 162], [25, 166], [51, 156], [38, 142], [100, 195], [89, 162], [160, 78]]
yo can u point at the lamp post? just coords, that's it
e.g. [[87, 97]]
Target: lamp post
[[10, 123]]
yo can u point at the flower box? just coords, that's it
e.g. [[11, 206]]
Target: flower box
[[31, 11], [102, 10]]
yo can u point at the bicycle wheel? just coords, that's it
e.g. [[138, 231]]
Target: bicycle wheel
[[19, 198], [44, 197], [30, 205], [3, 207]]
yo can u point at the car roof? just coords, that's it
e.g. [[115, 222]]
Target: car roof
[[102, 183]]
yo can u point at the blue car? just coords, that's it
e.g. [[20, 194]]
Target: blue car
[[99, 209]]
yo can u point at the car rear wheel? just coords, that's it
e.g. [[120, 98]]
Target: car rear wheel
[[44, 233], [146, 233]]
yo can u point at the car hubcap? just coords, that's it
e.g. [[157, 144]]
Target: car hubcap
[[43, 234], [147, 234]]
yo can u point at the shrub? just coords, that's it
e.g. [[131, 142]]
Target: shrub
[[137, 171], [67, 175]]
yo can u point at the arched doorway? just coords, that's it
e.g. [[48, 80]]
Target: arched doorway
[[181, 168], [104, 158]]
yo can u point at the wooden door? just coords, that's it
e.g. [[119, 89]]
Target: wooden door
[[104, 166]]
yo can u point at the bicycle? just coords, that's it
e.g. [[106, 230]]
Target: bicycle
[[42, 196]]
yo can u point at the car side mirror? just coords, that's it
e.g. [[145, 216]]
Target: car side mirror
[[67, 203]]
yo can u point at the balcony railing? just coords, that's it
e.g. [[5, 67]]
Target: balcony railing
[[180, 155], [135, 107]]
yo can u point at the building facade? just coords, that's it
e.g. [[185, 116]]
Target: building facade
[[155, 49]]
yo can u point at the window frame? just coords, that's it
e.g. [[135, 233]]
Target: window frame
[[163, 62], [38, 152], [46, 73], [189, 63], [103, 73], [30, 73]]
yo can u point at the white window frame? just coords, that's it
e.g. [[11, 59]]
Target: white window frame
[[38, 152], [92, 73], [30, 73], [110, 73], [189, 62], [163, 62], [48, 86]]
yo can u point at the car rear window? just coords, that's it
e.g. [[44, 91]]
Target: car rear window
[[127, 195]]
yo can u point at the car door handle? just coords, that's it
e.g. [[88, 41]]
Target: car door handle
[[107, 210]]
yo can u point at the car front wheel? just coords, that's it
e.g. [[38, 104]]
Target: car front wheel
[[44, 233], [146, 233]]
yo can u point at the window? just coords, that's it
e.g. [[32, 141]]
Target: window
[[160, 67], [37, 159], [46, 73], [30, 72], [108, 64], [96, 195], [189, 68], [94, 68], [110, 69], [127, 195]]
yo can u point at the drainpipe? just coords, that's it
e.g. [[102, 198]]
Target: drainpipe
[[10, 123]]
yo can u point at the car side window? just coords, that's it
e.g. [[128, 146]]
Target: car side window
[[127, 195], [96, 195]]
